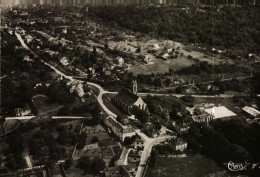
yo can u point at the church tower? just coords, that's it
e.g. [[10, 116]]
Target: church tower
[[134, 87]]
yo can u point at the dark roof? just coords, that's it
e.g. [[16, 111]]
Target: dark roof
[[126, 97]]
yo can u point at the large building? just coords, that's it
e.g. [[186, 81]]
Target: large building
[[122, 131], [208, 114], [126, 99]]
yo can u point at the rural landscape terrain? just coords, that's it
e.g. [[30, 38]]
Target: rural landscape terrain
[[130, 88]]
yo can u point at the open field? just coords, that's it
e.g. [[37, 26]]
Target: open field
[[161, 66], [43, 106], [192, 166]]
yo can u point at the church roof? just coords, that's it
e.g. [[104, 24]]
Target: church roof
[[126, 97]]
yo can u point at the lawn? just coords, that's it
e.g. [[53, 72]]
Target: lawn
[[192, 166]]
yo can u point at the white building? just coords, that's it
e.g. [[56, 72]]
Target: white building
[[64, 61], [251, 112], [122, 131]]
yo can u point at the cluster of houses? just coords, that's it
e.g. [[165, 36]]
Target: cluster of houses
[[76, 87]]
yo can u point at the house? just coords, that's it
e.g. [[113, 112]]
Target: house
[[64, 61], [126, 99], [180, 144], [189, 110], [28, 38], [251, 112], [138, 144], [203, 117], [22, 111], [133, 156], [123, 158], [27, 58], [182, 128], [122, 131], [120, 61], [163, 131]]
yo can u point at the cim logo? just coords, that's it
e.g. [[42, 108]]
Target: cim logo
[[236, 166]]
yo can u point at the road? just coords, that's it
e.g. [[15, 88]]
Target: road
[[148, 145], [179, 95], [100, 98]]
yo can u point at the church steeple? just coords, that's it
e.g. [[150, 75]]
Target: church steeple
[[134, 87]]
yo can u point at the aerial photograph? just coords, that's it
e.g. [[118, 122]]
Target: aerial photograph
[[130, 88]]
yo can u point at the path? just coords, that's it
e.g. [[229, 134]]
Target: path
[[28, 160]]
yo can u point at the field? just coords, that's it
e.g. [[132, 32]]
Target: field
[[43, 107], [192, 166], [161, 66]]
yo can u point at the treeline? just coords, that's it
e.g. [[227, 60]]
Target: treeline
[[237, 2], [225, 28], [206, 68]]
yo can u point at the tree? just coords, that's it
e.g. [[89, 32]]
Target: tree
[[68, 164], [65, 110], [97, 165], [153, 158], [82, 141], [141, 115], [95, 140], [157, 82], [168, 82], [176, 107], [63, 138], [84, 163]]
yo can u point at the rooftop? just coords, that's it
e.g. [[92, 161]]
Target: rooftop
[[127, 97], [252, 111], [220, 112]]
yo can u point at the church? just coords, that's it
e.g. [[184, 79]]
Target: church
[[126, 99]]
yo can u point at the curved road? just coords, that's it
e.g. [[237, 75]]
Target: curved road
[[101, 90]]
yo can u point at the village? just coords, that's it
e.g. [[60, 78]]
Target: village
[[106, 101]]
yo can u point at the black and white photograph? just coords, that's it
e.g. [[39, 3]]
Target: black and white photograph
[[130, 88]]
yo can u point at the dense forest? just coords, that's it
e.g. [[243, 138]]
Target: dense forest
[[213, 27], [226, 140]]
